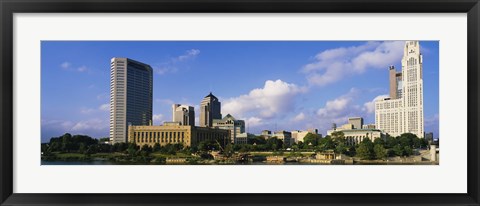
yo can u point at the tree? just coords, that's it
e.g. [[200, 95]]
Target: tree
[[407, 151], [156, 147], [274, 143], [390, 141], [379, 141], [380, 151], [398, 150], [132, 149], [365, 149], [341, 148], [228, 151], [82, 148], [338, 134], [326, 144], [311, 139], [258, 140]]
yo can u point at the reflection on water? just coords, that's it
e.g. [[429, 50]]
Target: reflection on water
[[245, 163]]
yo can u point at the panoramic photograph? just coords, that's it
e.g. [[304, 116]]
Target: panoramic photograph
[[240, 103]]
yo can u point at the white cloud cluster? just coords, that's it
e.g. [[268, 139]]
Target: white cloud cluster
[[102, 108], [171, 66], [369, 107], [334, 64], [274, 99], [340, 108], [89, 125], [189, 54], [158, 119], [68, 67]]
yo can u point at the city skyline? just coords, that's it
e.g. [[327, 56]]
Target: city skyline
[[271, 85]]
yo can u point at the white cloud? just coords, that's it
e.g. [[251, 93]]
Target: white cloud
[[172, 65], [339, 108], [334, 64], [82, 69], [86, 110], [104, 107], [65, 65], [189, 54], [369, 107], [275, 99], [299, 117], [253, 122], [103, 96], [69, 67], [89, 125], [158, 119], [165, 101]]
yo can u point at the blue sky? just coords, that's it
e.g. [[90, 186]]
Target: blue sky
[[274, 85]]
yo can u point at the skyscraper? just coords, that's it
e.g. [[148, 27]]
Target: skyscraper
[[131, 93], [403, 111], [184, 114], [209, 110]]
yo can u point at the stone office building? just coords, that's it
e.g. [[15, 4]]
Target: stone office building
[[174, 133]]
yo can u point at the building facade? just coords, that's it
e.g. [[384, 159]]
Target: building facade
[[184, 114], [173, 133], [298, 136], [355, 136], [403, 111], [210, 109], [231, 124], [357, 122], [131, 93], [285, 136]]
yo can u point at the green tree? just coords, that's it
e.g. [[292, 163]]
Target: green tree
[[156, 147], [398, 150], [341, 148], [326, 144], [311, 139], [82, 148], [365, 149], [132, 149], [390, 141], [274, 143], [228, 151], [407, 151], [380, 151], [379, 141]]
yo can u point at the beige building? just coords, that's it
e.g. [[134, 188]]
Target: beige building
[[355, 136], [174, 133], [403, 111], [357, 122], [285, 136], [266, 134], [298, 136], [183, 114], [231, 124]]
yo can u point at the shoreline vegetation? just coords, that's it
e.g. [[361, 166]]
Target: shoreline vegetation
[[404, 149]]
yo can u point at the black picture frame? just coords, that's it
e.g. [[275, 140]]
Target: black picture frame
[[10, 7]]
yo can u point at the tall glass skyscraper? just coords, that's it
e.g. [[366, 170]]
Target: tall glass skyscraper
[[131, 94]]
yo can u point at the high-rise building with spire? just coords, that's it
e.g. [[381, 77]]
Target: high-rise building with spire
[[403, 111], [210, 109]]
